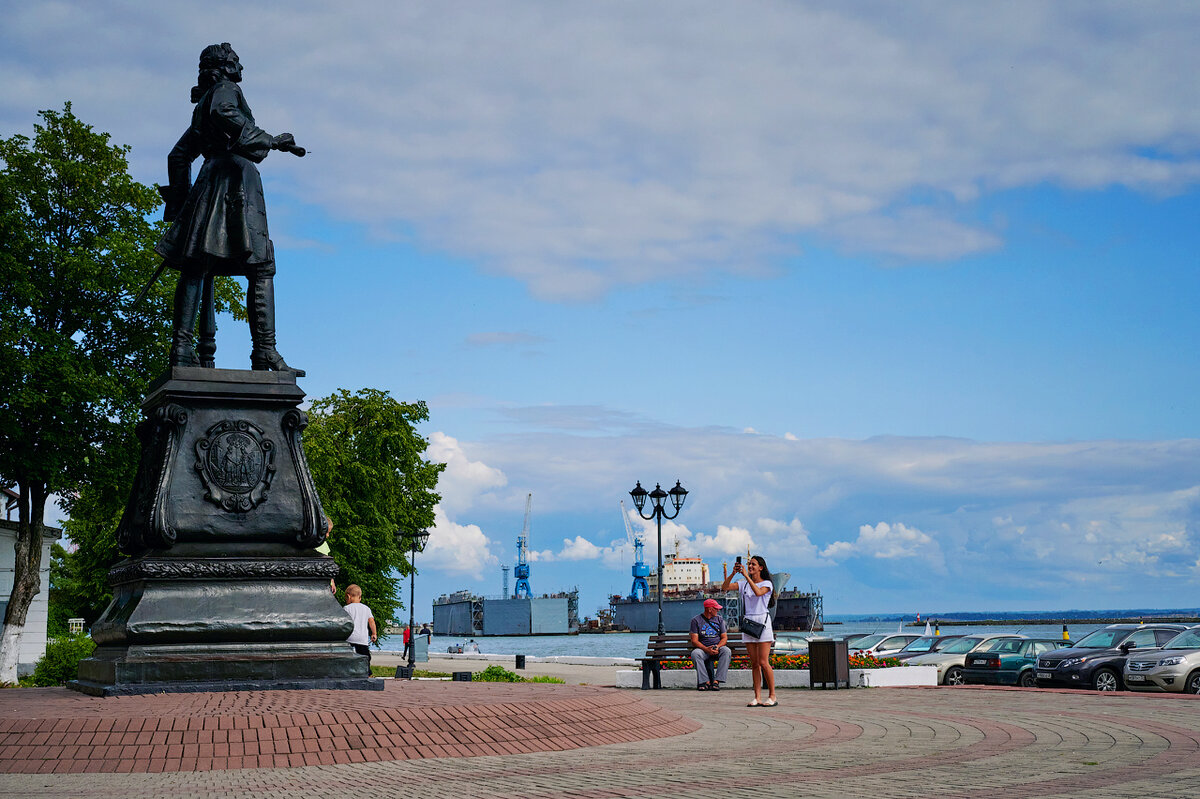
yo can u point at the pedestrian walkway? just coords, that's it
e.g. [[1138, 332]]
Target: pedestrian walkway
[[887, 742], [53, 730]]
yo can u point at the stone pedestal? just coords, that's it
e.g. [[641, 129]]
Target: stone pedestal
[[224, 589]]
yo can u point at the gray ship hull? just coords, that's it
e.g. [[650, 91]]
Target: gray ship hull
[[794, 610], [491, 617], [642, 617]]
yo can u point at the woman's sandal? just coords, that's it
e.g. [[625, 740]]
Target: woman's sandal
[[769, 703], [754, 703]]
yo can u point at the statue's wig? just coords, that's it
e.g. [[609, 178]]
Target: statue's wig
[[214, 62]]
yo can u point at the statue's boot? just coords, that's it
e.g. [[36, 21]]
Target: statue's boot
[[206, 347], [260, 307], [187, 305]]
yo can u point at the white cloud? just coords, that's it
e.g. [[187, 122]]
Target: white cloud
[[1065, 519], [889, 541], [463, 479], [585, 147], [789, 540], [457, 549], [540, 556], [579, 548], [1022, 502], [727, 540]]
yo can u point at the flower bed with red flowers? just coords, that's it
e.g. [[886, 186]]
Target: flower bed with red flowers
[[793, 662]]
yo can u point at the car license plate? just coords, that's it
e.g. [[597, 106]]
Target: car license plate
[[1136, 678], [1043, 675], [979, 662]]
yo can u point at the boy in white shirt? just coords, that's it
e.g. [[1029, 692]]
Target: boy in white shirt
[[364, 622]]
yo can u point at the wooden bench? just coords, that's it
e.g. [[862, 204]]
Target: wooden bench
[[678, 647]]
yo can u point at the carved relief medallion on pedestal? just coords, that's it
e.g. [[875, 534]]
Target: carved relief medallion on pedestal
[[236, 464]]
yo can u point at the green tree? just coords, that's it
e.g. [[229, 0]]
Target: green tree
[[76, 352], [366, 459], [66, 599]]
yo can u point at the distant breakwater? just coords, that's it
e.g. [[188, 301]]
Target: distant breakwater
[[1073, 621]]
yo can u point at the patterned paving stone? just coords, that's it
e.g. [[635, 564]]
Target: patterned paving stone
[[947, 742], [53, 730]]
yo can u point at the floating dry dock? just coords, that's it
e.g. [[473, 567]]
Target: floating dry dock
[[464, 613]]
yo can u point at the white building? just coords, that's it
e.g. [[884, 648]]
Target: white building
[[33, 640]]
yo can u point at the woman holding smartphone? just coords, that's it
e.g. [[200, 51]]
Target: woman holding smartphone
[[758, 595]]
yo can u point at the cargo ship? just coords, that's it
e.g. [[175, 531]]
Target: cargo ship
[[686, 586]]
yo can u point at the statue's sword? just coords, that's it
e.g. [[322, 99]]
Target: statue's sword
[[146, 288]]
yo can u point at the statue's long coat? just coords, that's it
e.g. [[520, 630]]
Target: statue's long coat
[[222, 225]]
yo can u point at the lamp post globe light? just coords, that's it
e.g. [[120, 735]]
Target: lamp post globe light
[[677, 494], [416, 543]]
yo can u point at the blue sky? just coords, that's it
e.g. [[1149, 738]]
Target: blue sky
[[903, 293]]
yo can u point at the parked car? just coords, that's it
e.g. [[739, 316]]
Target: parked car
[[925, 645], [949, 660], [792, 642], [1098, 660], [1175, 667], [1008, 661], [882, 645]]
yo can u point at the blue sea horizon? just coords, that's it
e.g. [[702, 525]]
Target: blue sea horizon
[[980, 615]]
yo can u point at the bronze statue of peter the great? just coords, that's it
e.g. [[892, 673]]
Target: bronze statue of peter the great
[[219, 223]]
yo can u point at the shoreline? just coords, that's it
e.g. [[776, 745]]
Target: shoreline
[[573, 670], [1028, 622]]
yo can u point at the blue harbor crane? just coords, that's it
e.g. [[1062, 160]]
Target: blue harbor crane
[[521, 572], [641, 589]]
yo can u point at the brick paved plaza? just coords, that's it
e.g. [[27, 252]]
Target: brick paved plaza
[[892, 742]]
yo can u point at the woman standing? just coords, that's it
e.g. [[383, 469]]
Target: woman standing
[[758, 595]]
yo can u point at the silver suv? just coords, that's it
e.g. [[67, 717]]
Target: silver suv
[[1175, 667]]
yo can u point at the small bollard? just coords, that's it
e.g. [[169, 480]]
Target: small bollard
[[404, 672], [520, 661], [460, 676]]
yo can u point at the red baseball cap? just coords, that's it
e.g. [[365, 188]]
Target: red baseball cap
[[712, 603]]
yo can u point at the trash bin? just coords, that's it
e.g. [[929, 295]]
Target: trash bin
[[460, 676], [828, 662], [520, 661]]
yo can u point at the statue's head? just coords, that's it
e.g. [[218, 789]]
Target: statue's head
[[217, 62], [222, 59]]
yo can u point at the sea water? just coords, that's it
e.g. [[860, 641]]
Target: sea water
[[633, 645]]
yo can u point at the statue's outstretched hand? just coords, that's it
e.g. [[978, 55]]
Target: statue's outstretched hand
[[287, 143]]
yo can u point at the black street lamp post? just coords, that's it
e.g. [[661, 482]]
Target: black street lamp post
[[677, 494], [416, 543]]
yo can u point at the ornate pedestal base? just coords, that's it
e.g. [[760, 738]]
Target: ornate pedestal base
[[224, 590]]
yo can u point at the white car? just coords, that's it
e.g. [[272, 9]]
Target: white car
[[1175, 667], [953, 657], [881, 645]]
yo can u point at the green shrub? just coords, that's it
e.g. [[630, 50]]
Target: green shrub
[[61, 662], [495, 674], [501, 674]]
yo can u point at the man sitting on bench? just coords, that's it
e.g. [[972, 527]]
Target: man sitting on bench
[[708, 638]]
